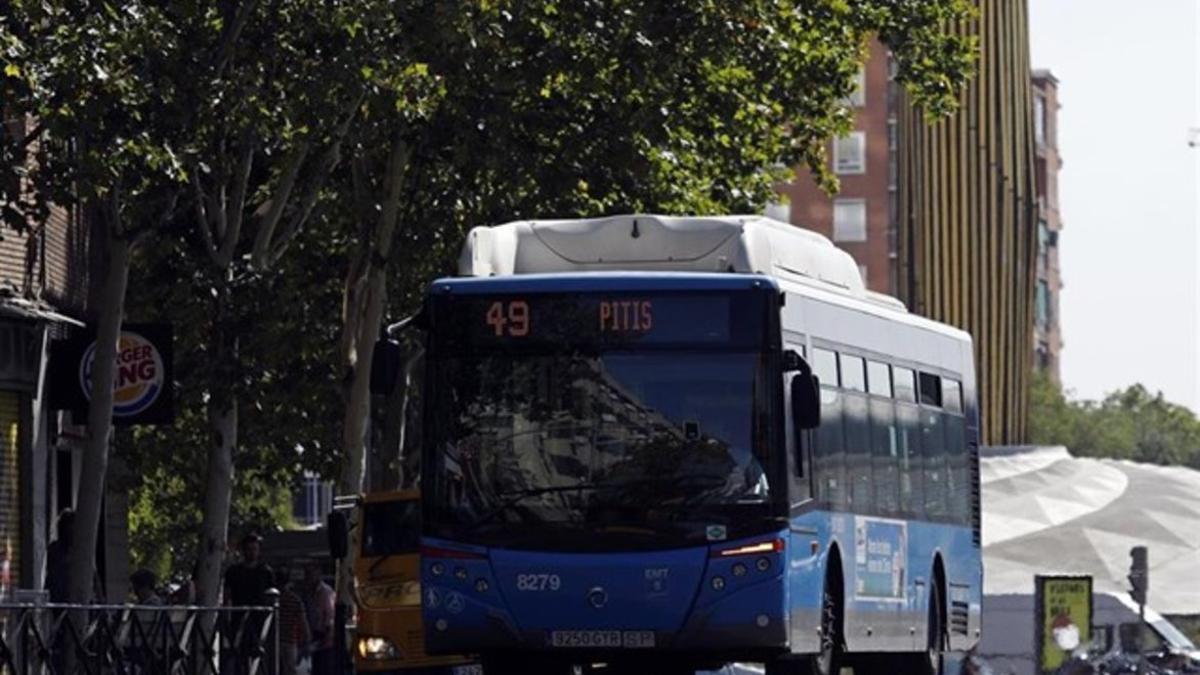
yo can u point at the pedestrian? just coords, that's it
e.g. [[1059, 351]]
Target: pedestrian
[[293, 623], [247, 580], [318, 605], [58, 557], [144, 583], [246, 583], [140, 635]]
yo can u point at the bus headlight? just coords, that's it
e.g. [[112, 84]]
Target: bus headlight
[[377, 648]]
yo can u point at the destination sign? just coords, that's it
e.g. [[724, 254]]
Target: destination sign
[[471, 321]]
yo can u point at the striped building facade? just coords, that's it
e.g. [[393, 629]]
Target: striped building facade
[[944, 215], [968, 214]]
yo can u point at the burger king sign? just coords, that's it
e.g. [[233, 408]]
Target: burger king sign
[[138, 379], [142, 379]]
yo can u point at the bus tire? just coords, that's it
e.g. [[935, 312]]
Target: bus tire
[[828, 661], [933, 660]]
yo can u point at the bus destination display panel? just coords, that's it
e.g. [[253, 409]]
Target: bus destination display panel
[[601, 320]]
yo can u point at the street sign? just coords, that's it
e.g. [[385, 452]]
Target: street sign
[[1064, 618]]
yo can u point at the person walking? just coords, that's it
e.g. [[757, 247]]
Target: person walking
[[319, 605], [246, 583], [293, 623]]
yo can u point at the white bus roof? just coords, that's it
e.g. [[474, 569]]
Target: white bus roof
[[754, 244]]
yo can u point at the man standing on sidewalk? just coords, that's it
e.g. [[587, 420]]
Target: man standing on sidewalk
[[248, 579], [319, 603]]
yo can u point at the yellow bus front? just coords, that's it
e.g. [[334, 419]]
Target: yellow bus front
[[389, 637]]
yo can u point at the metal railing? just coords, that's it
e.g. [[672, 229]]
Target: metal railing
[[60, 639]]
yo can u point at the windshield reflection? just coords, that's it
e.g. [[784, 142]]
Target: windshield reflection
[[618, 437]]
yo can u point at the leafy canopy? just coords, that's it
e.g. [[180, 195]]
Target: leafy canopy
[[1128, 424]]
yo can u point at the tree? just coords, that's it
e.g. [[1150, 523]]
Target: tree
[[1128, 424], [492, 111], [236, 110], [502, 110], [102, 126], [286, 362]]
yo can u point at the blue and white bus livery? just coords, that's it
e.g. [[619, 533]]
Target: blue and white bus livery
[[680, 442]]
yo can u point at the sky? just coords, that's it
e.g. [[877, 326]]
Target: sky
[[1129, 190]]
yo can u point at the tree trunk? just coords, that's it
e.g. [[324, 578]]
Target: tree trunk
[[223, 424], [392, 433], [366, 295], [95, 457], [412, 433]]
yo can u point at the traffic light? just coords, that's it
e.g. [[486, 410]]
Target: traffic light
[[1139, 574]]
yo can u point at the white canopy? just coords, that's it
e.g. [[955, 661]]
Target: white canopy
[[1047, 512]]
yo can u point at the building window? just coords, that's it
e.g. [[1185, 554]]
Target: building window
[[858, 97], [1043, 237], [312, 501], [1042, 356], [1039, 119], [1043, 304], [849, 220], [850, 153]]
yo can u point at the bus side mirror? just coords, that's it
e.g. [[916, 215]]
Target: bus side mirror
[[806, 400], [385, 367], [337, 528], [792, 361]]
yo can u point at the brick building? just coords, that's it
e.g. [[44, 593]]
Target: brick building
[[946, 215], [44, 288], [861, 218]]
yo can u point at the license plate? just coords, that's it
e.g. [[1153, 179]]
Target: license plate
[[472, 669], [603, 639]]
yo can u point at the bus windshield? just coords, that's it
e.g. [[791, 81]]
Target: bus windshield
[[391, 528], [583, 440]]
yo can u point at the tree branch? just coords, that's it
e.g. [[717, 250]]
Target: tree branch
[[278, 201], [113, 210], [232, 33], [31, 136], [206, 232], [235, 209], [279, 244]]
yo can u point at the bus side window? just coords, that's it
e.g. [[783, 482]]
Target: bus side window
[[824, 366], [829, 450], [857, 432], [957, 459], [933, 448], [908, 447], [857, 422], [885, 450]]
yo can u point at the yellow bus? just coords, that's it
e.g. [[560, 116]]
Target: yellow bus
[[387, 572]]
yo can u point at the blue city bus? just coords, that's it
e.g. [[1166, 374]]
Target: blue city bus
[[668, 471]]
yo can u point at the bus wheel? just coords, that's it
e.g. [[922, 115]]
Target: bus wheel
[[828, 661], [933, 661]]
